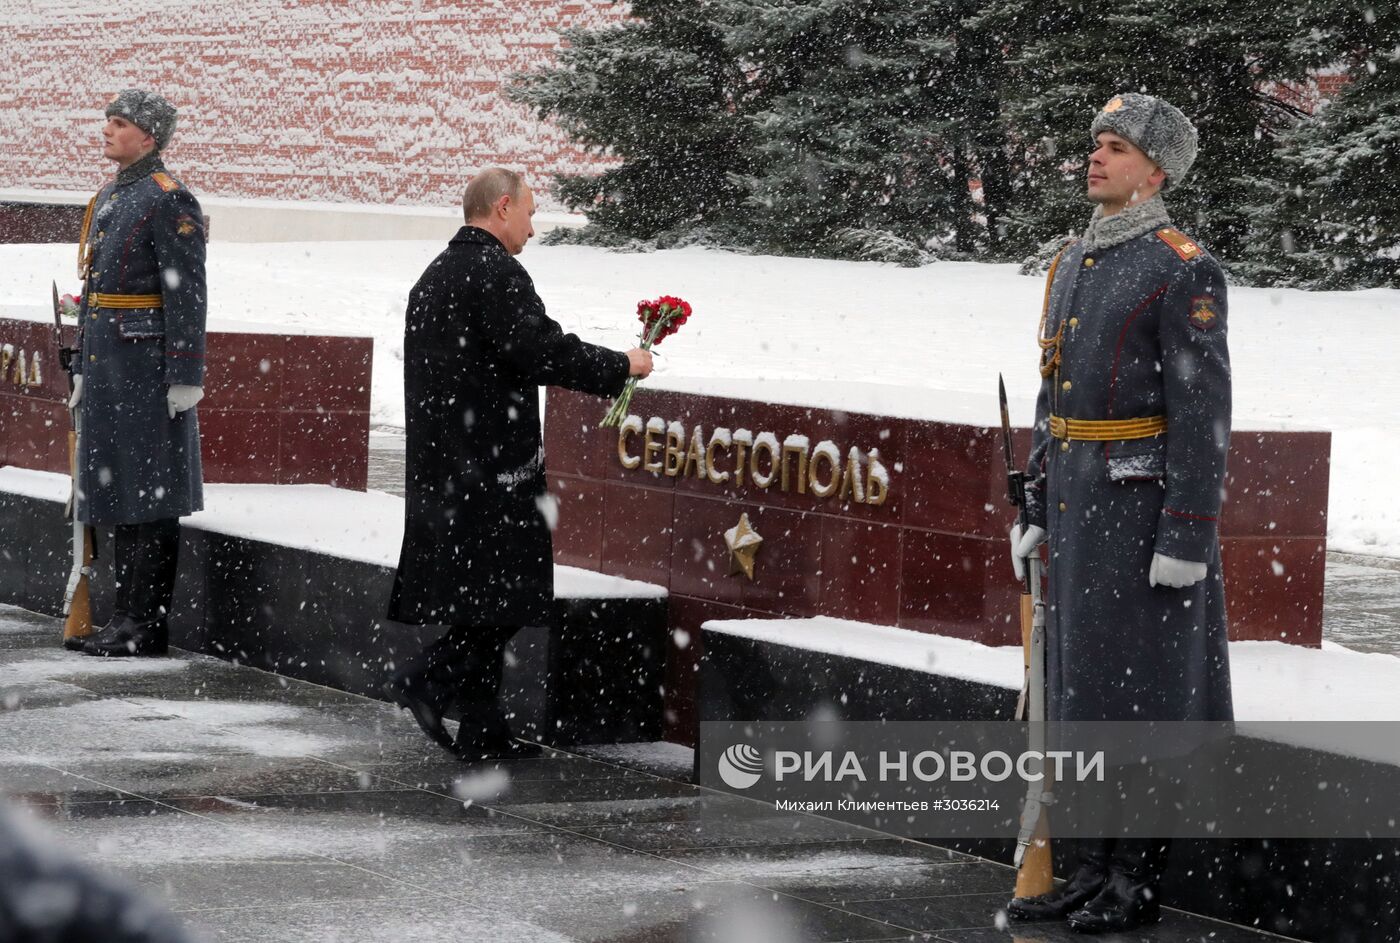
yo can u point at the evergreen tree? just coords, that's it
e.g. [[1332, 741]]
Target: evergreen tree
[[663, 95], [869, 123], [1333, 219], [1214, 59]]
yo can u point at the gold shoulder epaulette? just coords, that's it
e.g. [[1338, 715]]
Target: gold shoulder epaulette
[[1180, 243], [165, 181]]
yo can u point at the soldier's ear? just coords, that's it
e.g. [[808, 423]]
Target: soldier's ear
[[1158, 177]]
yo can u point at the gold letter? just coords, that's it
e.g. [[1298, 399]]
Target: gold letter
[[796, 445], [651, 445], [722, 438], [743, 440], [851, 482], [877, 482], [833, 458], [630, 426], [766, 442], [695, 455], [675, 449]]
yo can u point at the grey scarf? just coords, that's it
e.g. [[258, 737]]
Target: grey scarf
[[144, 167], [1104, 232]]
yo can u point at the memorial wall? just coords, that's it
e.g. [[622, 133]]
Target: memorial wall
[[747, 509], [278, 409]]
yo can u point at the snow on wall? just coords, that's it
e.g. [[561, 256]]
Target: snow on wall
[[368, 101]]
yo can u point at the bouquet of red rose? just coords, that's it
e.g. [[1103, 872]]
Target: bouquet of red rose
[[69, 305], [660, 319]]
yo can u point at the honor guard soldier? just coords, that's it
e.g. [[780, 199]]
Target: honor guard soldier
[[140, 371], [1131, 433]]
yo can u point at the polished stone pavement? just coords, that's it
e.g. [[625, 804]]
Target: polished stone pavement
[[271, 810]]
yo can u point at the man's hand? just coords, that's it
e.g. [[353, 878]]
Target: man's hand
[[180, 398], [1178, 574], [77, 396], [1023, 545], [639, 362]]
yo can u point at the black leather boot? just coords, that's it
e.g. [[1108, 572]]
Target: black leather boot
[[1131, 897], [124, 550], [130, 638], [1083, 885], [425, 700], [103, 636], [144, 632], [484, 734]]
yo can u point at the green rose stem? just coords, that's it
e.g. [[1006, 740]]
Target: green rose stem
[[665, 315]]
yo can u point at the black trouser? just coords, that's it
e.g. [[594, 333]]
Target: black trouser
[[466, 665], [1143, 858], [144, 560]]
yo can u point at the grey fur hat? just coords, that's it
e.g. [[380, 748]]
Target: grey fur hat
[[1157, 127], [148, 111]]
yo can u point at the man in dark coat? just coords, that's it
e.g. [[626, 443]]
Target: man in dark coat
[[477, 553], [141, 370], [1131, 433]]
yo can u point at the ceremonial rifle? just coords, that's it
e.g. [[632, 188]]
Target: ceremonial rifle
[[1035, 872], [77, 602]]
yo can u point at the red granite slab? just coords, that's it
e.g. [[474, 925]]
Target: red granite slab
[[329, 373], [1274, 588], [700, 558], [637, 535], [578, 538], [324, 448], [958, 586], [243, 371], [1277, 484], [861, 568], [239, 445], [788, 571]]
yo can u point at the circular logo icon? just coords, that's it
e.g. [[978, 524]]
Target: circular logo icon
[[740, 766]]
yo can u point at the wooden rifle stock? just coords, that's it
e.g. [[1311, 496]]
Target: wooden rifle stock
[[1035, 870], [78, 599]]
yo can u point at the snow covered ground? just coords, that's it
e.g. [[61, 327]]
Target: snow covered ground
[[862, 336], [1334, 684]]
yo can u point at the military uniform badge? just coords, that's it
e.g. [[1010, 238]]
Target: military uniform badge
[[1204, 314], [165, 181], [1181, 244]]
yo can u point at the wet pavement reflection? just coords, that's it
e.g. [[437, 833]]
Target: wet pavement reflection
[[265, 809]]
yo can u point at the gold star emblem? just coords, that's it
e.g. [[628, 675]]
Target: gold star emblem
[[743, 542], [186, 227], [1113, 106]]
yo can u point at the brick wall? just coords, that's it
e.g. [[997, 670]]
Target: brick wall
[[366, 101]]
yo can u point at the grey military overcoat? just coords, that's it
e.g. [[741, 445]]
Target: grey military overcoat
[[135, 463], [1144, 334]]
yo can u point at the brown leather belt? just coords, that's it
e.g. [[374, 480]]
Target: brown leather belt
[[98, 300], [1107, 430]]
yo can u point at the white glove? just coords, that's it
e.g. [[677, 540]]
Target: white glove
[[77, 396], [1178, 574], [180, 398], [1023, 545]]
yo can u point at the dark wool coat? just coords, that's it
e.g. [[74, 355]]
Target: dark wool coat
[[135, 463], [477, 347], [1144, 335]]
